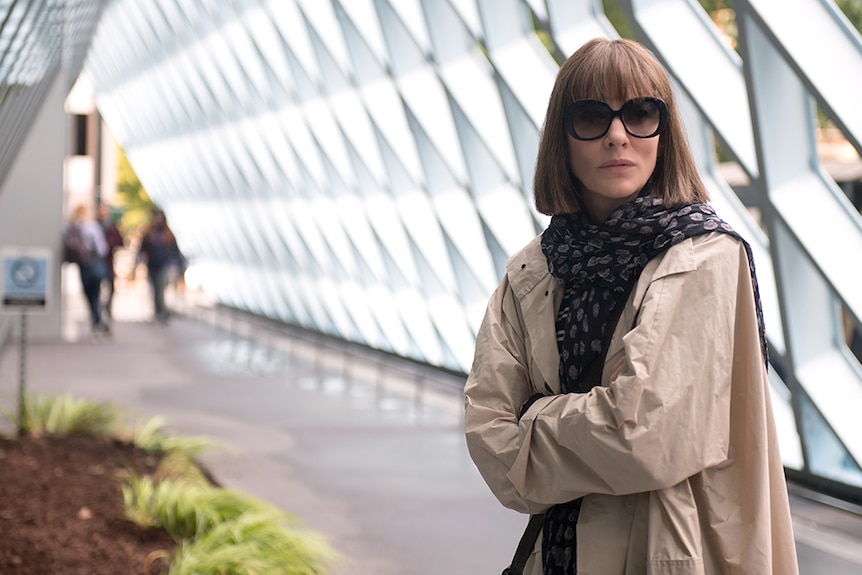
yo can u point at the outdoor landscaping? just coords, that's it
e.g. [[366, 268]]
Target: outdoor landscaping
[[80, 494]]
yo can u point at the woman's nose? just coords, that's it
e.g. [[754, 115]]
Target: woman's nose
[[617, 133]]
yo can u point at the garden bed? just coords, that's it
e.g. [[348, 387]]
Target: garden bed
[[61, 509]]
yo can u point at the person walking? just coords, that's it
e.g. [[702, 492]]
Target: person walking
[[91, 265], [619, 390], [162, 255], [114, 239]]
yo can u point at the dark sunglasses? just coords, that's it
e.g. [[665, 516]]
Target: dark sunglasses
[[591, 119]]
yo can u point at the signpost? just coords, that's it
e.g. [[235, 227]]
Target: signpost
[[24, 275]]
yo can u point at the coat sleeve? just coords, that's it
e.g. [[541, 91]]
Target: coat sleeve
[[497, 386], [666, 417]]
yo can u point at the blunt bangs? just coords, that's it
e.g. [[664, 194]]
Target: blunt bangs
[[616, 71]]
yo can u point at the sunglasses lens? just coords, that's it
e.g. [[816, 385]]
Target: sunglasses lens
[[590, 119], [641, 117]]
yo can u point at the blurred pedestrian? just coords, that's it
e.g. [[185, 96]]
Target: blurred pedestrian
[[91, 264], [162, 256], [114, 239]]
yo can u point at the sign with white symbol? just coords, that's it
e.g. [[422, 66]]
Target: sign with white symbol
[[25, 278]]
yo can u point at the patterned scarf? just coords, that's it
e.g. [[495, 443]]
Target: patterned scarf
[[598, 263]]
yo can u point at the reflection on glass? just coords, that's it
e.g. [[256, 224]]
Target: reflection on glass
[[826, 456]]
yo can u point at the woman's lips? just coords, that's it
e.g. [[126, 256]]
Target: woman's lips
[[615, 163], [616, 166]]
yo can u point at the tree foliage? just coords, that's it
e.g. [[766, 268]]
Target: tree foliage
[[853, 10], [133, 199], [617, 18]]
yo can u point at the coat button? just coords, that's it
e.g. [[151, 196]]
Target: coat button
[[523, 266]]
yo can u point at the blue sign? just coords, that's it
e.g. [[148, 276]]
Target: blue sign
[[25, 278]]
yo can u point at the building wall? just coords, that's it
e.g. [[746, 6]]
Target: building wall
[[31, 202], [43, 46]]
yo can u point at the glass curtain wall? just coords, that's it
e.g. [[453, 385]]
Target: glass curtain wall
[[363, 168], [38, 39]]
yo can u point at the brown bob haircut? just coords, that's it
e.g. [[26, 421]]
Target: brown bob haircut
[[610, 70]]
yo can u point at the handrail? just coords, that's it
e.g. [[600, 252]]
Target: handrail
[[444, 380]]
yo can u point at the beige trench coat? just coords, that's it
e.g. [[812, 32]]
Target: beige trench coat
[[677, 457]]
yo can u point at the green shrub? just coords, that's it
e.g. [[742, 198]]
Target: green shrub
[[152, 436], [64, 415], [255, 543], [178, 466], [224, 532], [185, 509]]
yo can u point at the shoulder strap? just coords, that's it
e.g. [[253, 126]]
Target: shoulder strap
[[525, 546]]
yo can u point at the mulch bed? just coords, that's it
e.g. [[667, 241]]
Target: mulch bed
[[61, 509]]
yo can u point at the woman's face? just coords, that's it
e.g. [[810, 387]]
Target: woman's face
[[612, 169]]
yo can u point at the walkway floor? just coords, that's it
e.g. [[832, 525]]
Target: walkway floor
[[368, 453]]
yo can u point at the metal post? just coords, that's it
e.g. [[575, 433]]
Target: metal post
[[22, 366]]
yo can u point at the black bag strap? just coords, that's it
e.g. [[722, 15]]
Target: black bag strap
[[592, 378], [525, 546]]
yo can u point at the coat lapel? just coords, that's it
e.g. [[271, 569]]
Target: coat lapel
[[539, 295]]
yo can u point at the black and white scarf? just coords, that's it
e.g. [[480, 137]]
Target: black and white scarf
[[598, 263]]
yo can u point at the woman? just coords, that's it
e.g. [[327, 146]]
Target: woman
[[91, 265], [162, 255], [664, 459], [114, 239]]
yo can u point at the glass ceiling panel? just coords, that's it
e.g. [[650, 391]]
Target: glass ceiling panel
[[290, 24], [237, 81], [363, 15], [383, 102], [352, 212], [172, 14], [173, 76], [195, 85], [190, 8], [414, 208], [203, 60], [155, 19], [270, 44], [251, 130], [303, 144], [322, 19], [325, 131], [469, 14], [9, 47], [353, 120]]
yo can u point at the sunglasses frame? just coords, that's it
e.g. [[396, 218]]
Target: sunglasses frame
[[660, 104]]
